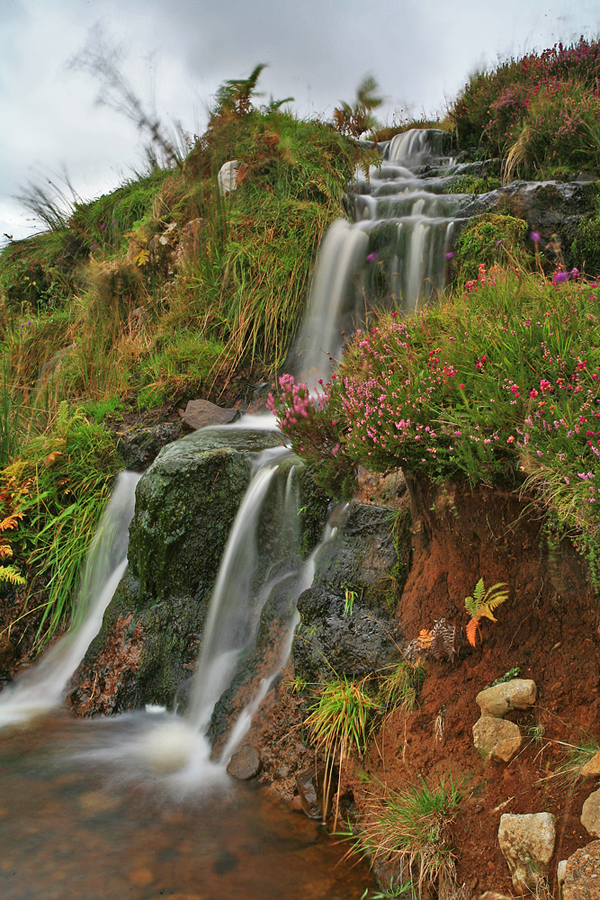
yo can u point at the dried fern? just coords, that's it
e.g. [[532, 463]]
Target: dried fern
[[482, 604]]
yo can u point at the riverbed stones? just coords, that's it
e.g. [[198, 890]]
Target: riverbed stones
[[496, 738], [309, 783], [582, 874], [245, 763], [527, 844], [497, 701], [590, 814]]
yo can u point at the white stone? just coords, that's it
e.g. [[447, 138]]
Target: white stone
[[496, 738], [527, 844], [520, 693], [229, 175], [590, 814]]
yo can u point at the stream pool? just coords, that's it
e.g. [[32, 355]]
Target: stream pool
[[70, 830]]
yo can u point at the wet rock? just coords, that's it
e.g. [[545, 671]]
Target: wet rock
[[245, 763], [527, 844], [185, 506], [496, 738], [309, 783], [201, 413], [520, 693], [139, 447], [582, 874], [346, 616], [590, 814]]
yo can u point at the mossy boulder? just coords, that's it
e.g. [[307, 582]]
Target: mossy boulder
[[185, 507]]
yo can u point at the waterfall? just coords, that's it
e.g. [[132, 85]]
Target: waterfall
[[393, 253], [41, 687]]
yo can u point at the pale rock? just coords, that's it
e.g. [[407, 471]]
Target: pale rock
[[230, 175], [201, 413], [497, 701], [590, 814], [592, 767], [527, 844], [582, 875], [561, 871], [493, 895], [496, 738]]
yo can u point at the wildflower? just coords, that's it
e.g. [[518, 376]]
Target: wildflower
[[372, 257], [560, 277], [449, 255], [533, 393], [535, 237], [510, 439]]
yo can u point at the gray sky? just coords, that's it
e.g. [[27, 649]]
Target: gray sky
[[177, 52]]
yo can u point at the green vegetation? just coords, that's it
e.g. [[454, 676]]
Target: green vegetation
[[498, 385], [540, 113], [409, 830]]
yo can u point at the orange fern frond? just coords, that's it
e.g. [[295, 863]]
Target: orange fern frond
[[471, 630], [425, 637], [10, 522]]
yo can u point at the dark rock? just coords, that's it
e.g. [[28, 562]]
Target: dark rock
[[185, 507], [201, 413], [310, 785], [245, 763], [346, 616], [139, 447]]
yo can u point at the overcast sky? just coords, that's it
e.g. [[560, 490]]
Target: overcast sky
[[177, 52]]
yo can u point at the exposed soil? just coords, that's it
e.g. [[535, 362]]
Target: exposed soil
[[548, 628]]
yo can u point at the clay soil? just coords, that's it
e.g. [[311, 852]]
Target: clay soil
[[548, 628]]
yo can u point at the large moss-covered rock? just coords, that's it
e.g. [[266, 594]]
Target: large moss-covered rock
[[185, 506]]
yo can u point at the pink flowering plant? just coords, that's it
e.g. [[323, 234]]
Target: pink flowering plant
[[500, 386], [305, 420]]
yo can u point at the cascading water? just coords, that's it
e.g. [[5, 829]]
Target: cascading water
[[394, 251], [41, 688]]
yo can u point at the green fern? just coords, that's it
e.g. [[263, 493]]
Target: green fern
[[483, 603], [10, 574]]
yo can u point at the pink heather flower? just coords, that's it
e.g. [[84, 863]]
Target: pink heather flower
[[515, 390], [533, 393], [560, 277], [534, 237], [449, 255], [510, 439], [545, 386], [372, 257]]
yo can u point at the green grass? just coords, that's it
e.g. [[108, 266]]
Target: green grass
[[60, 484], [409, 832]]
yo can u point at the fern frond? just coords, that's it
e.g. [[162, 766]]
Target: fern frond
[[6, 551], [10, 574], [10, 522], [471, 630]]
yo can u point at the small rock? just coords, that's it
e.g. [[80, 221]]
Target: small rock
[[592, 767], [245, 763], [200, 413], [590, 814], [582, 874], [493, 895], [520, 693], [527, 844], [310, 788], [561, 871], [497, 738]]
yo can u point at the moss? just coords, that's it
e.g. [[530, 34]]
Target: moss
[[489, 239]]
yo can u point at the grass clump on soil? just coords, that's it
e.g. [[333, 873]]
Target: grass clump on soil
[[338, 723], [408, 831]]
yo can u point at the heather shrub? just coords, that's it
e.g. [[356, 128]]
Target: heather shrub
[[499, 386], [490, 239]]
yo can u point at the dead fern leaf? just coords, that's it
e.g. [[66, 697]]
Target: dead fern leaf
[[482, 604], [471, 630]]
